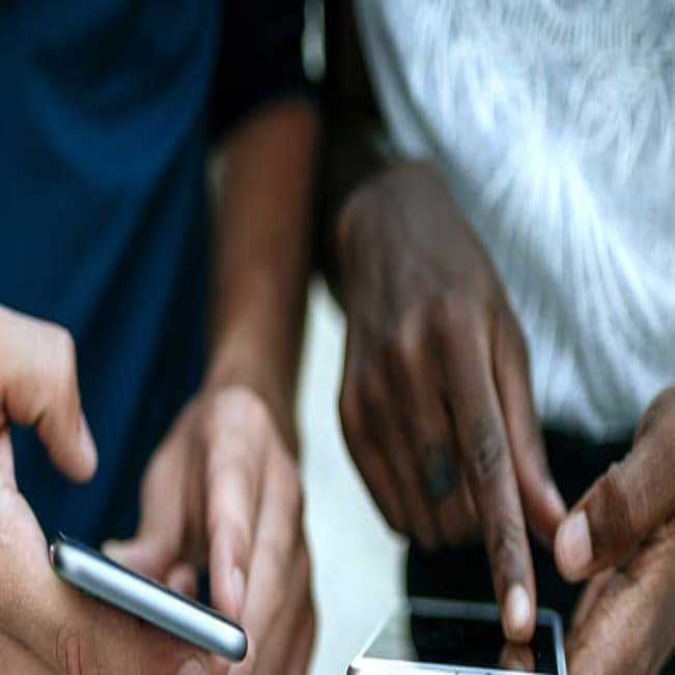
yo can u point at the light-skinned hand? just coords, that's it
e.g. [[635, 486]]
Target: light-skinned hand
[[45, 625], [223, 493]]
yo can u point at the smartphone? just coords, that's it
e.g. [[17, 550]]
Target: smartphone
[[458, 638], [105, 580]]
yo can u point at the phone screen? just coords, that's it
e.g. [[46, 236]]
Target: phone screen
[[470, 642]]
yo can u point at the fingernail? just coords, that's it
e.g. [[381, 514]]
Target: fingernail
[[87, 445], [192, 667], [518, 610], [237, 590], [575, 550]]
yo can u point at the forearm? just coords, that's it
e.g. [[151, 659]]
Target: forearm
[[261, 253]]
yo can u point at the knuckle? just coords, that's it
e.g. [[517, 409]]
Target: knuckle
[[407, 347], [488, 453], [454, 314], [507, 546], [403, 360]]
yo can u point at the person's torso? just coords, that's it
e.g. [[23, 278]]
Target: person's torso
[[554, 121], [103, 134]]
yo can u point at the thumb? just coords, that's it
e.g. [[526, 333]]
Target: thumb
[[620, 510], [155, 547]]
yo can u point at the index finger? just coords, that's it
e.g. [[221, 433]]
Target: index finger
[[233, 485], [277, 540], [39, 386], [486, 458]]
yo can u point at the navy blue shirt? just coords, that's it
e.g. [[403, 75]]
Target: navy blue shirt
[[104, 127]]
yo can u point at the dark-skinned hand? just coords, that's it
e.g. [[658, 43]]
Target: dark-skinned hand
[[621, 538], [436, 404]]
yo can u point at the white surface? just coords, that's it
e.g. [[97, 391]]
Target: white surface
[[357, 561]]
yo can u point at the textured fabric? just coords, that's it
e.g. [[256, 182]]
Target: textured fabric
[[554, 122], [103, 137]]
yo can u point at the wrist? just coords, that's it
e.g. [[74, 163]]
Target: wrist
[[240, 364], [350, 218], [384, 189]]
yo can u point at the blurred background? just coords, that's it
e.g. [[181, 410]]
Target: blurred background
[[358, 570]]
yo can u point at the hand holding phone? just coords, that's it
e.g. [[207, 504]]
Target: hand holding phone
[[44, 626], [105, 580]]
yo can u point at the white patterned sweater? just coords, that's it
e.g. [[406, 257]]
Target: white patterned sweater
[[554, 122]]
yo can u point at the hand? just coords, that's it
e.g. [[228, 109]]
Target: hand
[[436, 404], [223, 491], [44, 624], [517, 657], [621, 536]]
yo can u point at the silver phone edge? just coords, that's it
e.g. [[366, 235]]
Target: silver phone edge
[[123, 589]]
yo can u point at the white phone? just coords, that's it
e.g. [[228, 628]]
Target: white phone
[[104, 579], [459, 638]]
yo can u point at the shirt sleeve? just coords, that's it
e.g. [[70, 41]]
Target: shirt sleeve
[[260, 58]]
